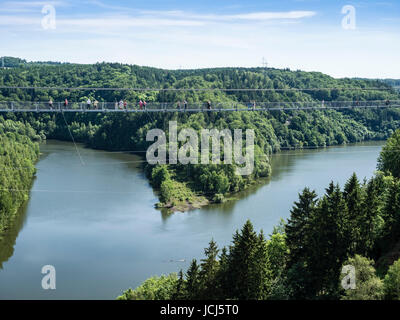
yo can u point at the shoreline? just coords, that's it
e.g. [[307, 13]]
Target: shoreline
[[201, 200]]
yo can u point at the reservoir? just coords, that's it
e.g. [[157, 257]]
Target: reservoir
[[95, 221]]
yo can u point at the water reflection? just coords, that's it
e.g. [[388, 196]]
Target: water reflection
[[9, 236]]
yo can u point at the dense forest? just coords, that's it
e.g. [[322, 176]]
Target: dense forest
[[18, 154], [184, 186], [358, 225], [303, 257]]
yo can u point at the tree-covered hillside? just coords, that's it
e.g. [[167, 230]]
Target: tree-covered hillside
[[18, 153], [132, 76], [180, 185]]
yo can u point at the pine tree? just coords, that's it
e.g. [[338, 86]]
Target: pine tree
[[221, 279], [329, 246], [298, 226], [391, 215], [179, 291], [370, 222], [353, 197], [261, 274], [245, 272], [192, 281], [208, 272]]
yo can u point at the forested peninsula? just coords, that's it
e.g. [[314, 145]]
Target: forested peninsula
[[181, 187]]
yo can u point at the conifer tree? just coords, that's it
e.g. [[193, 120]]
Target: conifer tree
[[208, 272], [391, 214], [222, 282], [179, 291], [192, 281], [329, 244], [370, 221], [353, 197], [260, 270], [244, 275], [298, 225]]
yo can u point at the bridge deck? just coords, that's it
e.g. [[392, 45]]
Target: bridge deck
[[169, 107]]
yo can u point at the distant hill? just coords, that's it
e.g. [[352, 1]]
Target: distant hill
[[11, 62], [19, 72], [393, 83]]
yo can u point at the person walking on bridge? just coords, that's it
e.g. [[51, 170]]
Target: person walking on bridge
[[209, 105], [178, 106], [95, 104], [51, 104], [140, 104], [65, 103], [185, 105], [88, 103], [144, 104]]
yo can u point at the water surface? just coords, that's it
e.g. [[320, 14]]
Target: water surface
[[97, 225]]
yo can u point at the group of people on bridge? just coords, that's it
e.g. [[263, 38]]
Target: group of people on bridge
[[123, 105], [142, 104]]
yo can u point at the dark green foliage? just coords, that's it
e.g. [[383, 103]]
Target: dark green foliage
[[179, 292], [391, 215], [193, 281], [370, 222], [298, 226], [208, 272]]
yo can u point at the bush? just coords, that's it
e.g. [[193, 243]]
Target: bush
[[219, 198], [368, 285], [159, 174], [392, 282], [166, 190], [154, 288]]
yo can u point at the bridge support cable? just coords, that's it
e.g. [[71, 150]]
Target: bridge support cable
[[73, 140]]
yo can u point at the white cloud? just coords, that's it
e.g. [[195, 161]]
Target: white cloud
[[253, 16], [124, 21]]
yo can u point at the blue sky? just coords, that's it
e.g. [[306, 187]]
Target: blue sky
[[295, 34]]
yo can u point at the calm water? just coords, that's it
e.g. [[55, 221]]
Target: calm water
[[96, 224]]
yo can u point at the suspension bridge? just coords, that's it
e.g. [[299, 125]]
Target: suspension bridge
[[24, 106]]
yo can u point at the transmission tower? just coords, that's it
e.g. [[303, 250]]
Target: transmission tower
[[264, 63]]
